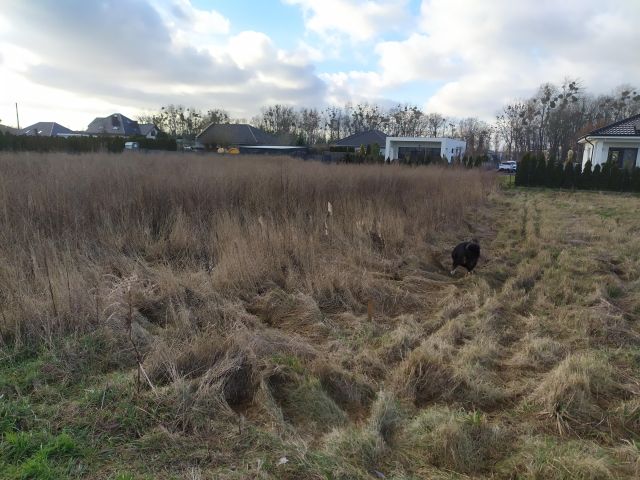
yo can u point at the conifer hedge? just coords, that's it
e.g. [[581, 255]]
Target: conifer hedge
[[534, 171]]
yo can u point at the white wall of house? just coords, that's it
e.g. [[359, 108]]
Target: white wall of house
[[449, 148], [597, 149]]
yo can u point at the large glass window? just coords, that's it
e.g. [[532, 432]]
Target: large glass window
[[418, 153], [623, 157]]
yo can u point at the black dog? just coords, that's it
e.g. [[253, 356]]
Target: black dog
[[466, 254]]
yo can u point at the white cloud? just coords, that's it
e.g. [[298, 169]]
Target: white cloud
[[486, 53], [359, 20], [95, 57], [134, 55]]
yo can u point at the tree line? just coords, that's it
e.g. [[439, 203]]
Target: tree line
[[314, 126], [535, 170], [551, 121], [556, 116]]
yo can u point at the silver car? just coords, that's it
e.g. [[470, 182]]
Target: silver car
[[508, 166]]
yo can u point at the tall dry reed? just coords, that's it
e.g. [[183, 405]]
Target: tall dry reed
[[75, 226]]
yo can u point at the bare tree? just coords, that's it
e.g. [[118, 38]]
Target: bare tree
[[435, 122], [476, 133], [278, 119], [310, 125]]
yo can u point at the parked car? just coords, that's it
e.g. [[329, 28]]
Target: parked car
[[508, 166]]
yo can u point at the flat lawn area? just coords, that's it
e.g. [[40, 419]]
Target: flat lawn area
[[309, 345]]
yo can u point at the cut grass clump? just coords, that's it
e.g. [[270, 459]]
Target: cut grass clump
[[350, 391], [436, 372], [165, 364], [361, 449], [461, 441], [399, 343], [425, 376], [546, 458], [303, 401], [287, 311], [539, 353], [576, 392], [385, 417]]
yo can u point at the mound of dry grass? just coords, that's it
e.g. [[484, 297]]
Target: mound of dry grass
[[426, 375], [575, 394], [540, 458], [454, 440], [350, 391], [539, 352], [293, 312], [364, 447]]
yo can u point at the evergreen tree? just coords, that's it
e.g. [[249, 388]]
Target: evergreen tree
[[597, 177], [625, 180], [558, 174], [523, 172], [635, 180], [568, 179], [615, 178], [587, 176], [541, 170], [577, 176]]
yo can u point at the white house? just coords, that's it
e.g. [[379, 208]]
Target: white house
[[402, 147], [618, 142]]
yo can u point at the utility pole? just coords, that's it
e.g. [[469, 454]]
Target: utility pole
[[17, 116]]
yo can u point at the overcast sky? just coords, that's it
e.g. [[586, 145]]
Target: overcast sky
[[72, 60]]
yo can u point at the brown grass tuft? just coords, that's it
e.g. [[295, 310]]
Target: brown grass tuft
[[576, 392]]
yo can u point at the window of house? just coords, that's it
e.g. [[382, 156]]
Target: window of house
[[623, 157]]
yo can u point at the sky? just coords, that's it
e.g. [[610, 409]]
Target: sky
[[72, 60]]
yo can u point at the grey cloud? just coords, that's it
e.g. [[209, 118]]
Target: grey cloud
[[113, 49], [246, 101], [127, 38]]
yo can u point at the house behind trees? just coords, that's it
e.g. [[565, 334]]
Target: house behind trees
[[617, 142]]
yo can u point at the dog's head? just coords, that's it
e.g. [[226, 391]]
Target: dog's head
[[473, 247]]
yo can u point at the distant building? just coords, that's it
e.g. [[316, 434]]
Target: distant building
[[368, 138], [234, 135], [618, 142], [115, 124], [45, 129], [8, 129], [273, 150], [406, 147], [149, 130]]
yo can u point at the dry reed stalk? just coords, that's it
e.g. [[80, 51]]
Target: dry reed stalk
[[46, 267], [326, 219], [66, 268], [139, 356]]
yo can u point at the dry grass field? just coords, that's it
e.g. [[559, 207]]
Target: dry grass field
[[198, 317]]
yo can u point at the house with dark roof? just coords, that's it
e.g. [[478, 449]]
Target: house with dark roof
[[618, 142], [234, 135], [45, 129], [8, 129], [149, 130], [115, 124], [370, 137]]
